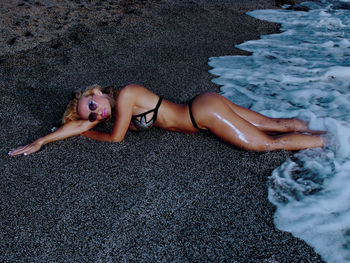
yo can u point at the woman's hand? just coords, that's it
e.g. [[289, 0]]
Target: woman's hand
[[28, 149], [68, 130]]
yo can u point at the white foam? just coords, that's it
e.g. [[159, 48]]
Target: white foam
[[339, 72], [303, 72]]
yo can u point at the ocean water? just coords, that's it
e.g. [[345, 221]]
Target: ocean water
[[303, 72]]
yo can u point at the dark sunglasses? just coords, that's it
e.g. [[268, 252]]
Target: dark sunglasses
[[92, 106]]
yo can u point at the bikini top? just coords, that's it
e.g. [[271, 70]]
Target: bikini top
[[140, 121]]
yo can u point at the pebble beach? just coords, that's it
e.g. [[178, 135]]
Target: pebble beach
[[158, 196]]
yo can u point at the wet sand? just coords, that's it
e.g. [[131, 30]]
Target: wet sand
[[157, 196]]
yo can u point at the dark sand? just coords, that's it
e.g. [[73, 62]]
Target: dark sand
[[158, 196]]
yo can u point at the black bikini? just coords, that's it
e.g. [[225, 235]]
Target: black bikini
[[191, 115], [140, 121]]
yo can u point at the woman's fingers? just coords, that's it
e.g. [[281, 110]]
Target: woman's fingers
[[27, 149], [20, 150]]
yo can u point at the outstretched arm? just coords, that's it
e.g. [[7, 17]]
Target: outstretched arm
[[68, 130], [124, 106]]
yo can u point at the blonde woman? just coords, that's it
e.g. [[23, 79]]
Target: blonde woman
[[137, 108]]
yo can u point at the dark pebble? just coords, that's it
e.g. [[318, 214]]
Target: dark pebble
[[132, 11], [12, 41], [78, 34], [103, 23], [28, 34], [56, 45]]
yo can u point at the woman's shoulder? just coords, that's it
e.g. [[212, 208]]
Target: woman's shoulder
[[137, 95]]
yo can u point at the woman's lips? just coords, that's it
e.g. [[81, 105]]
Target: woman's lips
[[104, 113]]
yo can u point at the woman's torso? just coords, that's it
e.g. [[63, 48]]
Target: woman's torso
[[169, 115]]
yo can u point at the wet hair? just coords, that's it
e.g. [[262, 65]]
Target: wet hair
[[71, 113]]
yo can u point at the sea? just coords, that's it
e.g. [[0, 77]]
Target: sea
[[303, 72]]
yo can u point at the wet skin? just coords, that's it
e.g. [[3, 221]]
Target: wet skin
[[237, 125], [248, 129]]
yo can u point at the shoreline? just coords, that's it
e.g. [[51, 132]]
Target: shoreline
[[158, 196]]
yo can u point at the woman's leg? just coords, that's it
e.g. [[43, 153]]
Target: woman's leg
[[223, 121], [267, 124]]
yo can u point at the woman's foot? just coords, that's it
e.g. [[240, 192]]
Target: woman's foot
[[303, 127]]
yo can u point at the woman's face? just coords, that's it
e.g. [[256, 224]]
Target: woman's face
[[95, 107]]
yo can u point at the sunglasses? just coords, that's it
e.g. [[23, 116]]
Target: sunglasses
[[92, 106]]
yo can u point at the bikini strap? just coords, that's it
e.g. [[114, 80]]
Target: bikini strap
[[156, 108], [191, 115]]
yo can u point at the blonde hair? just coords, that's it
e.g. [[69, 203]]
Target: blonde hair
[[71, 113]]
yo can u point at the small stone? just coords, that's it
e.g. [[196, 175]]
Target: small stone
[[103, 23], [12, 41], [56, 45], [28, 34]]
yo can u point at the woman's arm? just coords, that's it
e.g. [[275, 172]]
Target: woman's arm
[[68, 130], [124, 106], [98, 136]]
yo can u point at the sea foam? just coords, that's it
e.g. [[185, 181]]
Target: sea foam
[[303, 72]]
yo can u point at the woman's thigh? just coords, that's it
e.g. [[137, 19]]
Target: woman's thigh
[[213, 113], [260, 121]]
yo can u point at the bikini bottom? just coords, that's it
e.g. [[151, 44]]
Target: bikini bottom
[[194, 123]]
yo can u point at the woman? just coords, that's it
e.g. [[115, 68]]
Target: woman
[[137, 108]]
